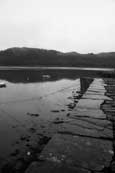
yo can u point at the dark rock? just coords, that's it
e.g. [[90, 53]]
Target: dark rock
[[55, 111], [15, 153], [44, 140], [32, 130], [23, 138], [33, 115], [58, 122], [68, 114], [62, 110]]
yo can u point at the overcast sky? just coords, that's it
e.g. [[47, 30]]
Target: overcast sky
[[66, 25]]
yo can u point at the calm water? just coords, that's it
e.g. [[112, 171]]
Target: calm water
[[27, 93], [32, 100]]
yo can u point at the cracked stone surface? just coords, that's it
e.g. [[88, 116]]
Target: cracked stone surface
[[84, 143], [72, 150]]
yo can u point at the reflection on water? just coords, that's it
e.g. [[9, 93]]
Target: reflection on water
[[32, 100], [30, 76], [84, 84]]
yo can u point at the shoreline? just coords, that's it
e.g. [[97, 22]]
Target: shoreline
[[55, 68]]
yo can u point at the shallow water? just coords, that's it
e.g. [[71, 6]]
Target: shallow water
[[29, 102]]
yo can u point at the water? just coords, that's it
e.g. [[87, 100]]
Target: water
[[27, 94]]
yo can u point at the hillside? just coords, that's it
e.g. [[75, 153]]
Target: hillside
[[41, 57]]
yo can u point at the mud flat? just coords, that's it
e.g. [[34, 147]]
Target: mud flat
[[85, 142]]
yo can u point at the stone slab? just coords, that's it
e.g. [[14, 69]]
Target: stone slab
[[74, 151]]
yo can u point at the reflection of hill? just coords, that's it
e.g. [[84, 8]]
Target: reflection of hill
[[42, 57], [29, 76]]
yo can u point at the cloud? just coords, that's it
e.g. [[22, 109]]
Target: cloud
[[58, 24]]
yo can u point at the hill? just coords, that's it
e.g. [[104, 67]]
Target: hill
[[42, 57]]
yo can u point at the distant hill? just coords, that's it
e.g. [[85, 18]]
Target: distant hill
[[41, 57]]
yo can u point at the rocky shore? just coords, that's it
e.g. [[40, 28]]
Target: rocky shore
[[81, 142], [86, 142]]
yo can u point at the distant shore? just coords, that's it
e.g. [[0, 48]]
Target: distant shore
[[54, 68]]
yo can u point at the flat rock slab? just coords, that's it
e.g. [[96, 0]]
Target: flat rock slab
[[53, 167], [87, 128], [77, 152], [89, 103], [82, 111], [95, 96]]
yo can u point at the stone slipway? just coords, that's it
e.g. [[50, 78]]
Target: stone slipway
[[84, 143]]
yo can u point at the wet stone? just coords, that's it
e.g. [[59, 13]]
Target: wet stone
[[97, 113], [53, 167], [87, 153], [82, 130]]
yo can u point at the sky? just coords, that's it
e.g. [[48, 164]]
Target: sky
[[83, 26]]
